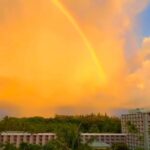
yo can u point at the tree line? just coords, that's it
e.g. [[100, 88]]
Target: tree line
[[97, 123]]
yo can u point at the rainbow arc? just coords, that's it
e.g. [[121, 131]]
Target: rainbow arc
[[88, 45]]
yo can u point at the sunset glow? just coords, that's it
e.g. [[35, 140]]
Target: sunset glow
[[72, 56]]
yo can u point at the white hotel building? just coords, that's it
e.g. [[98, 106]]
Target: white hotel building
[[136, 124]]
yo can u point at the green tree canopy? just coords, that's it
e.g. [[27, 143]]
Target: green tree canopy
[[89, 123]]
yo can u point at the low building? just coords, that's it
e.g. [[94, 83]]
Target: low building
[[108, 138], [104, 140], [17, 138]]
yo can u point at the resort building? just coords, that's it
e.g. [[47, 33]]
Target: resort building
[[17, 138], [107, 138], [136, 124]]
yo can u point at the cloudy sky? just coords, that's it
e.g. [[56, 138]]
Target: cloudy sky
[[74, 56]]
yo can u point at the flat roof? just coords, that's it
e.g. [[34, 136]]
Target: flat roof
[[139, 110], [48, 133], [112, 134], [99, 144], [24, 133]]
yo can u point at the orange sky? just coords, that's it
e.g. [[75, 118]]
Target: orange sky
[[62, 56]]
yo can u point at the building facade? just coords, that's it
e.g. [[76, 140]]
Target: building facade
[[108, 138], [136, 124], [17, 138]]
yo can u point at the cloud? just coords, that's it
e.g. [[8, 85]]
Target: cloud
[[139, 79], [44, 62]]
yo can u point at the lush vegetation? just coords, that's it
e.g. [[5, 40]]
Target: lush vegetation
[[87, 123], [131, 127], [120, 146], [53, 145], [59, 145]]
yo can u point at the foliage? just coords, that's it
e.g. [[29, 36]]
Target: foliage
[[87, 123], [139, 149], [94, 129], [52, 145], [119, 146], [9, 147], [69, 134], [131, 127], [84, 147]]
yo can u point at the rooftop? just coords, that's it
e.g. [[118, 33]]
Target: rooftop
[[24, 133], [99, 144], [139, 110], [110, 134]]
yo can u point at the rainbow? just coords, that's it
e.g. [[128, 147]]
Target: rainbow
[[88, 45]]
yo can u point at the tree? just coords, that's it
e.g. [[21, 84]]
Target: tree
[[131, 127], [139, 149], [91, 122], [24, 146], [35, 147], [9, 147], [50, 146], [84, 147], [94, 129], [55, 145], [68, 134], [119, 146], [1, 146]]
